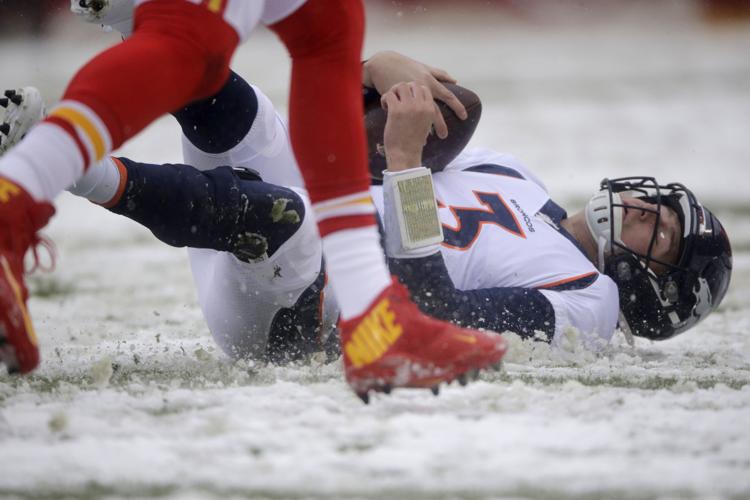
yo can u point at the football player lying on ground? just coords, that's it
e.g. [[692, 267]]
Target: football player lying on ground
[[511, 259]]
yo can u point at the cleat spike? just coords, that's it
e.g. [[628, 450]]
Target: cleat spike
[[5, 128], [462, 379], [435, 389], [364, 397], [17, 99], [10, 93], [498, 366], [4, 102], [387, 389], [474, 374]]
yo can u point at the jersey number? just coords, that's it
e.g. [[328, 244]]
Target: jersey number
[[471, 220]]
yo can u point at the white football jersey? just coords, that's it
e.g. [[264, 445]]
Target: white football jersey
[[502, 230]]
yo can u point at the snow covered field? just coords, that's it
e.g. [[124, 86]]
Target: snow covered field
[[133, 400]]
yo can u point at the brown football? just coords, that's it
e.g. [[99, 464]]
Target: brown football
[[437, 153]]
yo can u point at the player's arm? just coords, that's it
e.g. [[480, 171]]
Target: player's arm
[[524, 311], [410, 207]]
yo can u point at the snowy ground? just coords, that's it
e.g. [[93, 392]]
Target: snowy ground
[[133, 400]]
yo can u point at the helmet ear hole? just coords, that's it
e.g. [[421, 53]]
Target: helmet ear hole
[[671, 292], [624, 272]]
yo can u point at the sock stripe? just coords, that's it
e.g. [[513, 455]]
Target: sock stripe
[[356, 204], [82, 123], [121, 186], [71, 131], [335, 224], [93, 117]]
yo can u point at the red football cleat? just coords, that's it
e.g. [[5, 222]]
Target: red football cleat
[[20, 218], [393, 344]]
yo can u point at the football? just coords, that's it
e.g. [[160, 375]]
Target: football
[[437, 153]]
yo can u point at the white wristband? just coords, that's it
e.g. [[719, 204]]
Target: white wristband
[[412, 226]]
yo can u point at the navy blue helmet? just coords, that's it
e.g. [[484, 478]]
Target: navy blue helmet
[[660, 305]]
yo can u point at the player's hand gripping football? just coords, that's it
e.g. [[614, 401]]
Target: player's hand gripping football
[[410, 113], [386, 69]]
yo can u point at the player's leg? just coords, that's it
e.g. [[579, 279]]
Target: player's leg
[[111, 99], [247, 313], [254, 248], [20, 218], [238, 126], [386, 341], [324, 40]]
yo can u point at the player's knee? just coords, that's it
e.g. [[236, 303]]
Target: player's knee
[[217, 124], [210, 40], [321, 26]]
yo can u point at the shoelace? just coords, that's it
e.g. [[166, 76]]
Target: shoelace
[[41, 241]]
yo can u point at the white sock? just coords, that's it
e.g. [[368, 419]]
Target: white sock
[[44, 163], [357, 269], [101, 183]]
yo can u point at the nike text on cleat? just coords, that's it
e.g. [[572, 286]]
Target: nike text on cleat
[[20, 219], [394, 345]]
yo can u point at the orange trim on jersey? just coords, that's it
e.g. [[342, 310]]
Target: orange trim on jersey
[[568, 280], [453, 209], [121, 186], [84, 123]]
